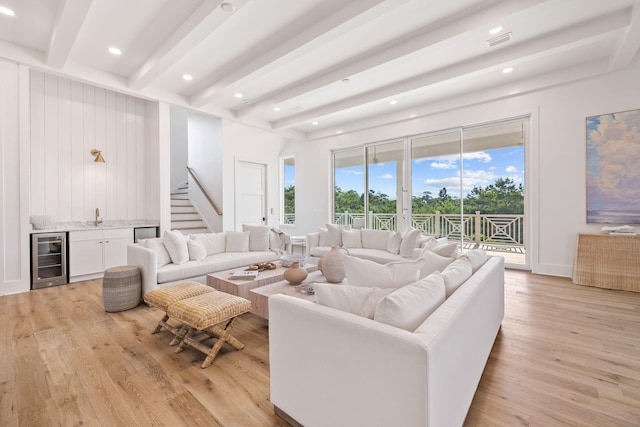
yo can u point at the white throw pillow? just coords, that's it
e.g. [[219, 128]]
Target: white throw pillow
[[237, 241], [444, 249], [375, 239], [351, 239], [456, 274], [258, 237], [324, 237], [156, 245], [197, 251], [334, 234], [423, 240], [362, 272], [214, 243], [409, 306], [394, 242], [176, 244], [352, 299], [433, 262], [409, 242], [477, 258]]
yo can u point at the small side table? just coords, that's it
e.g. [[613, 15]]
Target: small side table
[[607, 261], [121, 288], [299, 245]]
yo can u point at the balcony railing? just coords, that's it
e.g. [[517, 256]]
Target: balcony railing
[[496, 232]]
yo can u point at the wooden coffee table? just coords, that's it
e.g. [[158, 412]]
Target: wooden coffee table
[[259, 297], [241, 288]]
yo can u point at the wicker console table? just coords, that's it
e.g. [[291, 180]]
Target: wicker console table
[[607, 261]]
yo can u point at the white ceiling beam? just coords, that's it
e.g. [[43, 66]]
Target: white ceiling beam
[[447, 103], [570, 38], [444, 29], [629, 42], [192, 32], [288, 45], [71, 16]]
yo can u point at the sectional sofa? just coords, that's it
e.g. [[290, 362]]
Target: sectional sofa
[[381, 246], [344, 369], [175, 257]]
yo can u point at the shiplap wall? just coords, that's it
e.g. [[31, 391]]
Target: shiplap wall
[[68, 120]]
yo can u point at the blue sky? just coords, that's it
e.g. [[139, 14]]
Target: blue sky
[[480, 169], [289, 175]]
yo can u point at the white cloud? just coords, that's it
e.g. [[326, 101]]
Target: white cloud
[[387, 176], [437, 165], [351, 172], [511, 169]]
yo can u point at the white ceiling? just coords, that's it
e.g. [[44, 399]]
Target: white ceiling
[[294, 54]]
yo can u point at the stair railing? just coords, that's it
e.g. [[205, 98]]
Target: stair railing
[[206, 195]]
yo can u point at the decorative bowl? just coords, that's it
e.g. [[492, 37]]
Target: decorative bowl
[[288, 260]]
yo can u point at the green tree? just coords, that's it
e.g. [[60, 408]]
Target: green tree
[[290, 199], [501, 197]]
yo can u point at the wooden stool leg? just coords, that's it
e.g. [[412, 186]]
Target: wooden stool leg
[[161, 324], [187, 338], [233, 341], [223, 337], [180, 335]]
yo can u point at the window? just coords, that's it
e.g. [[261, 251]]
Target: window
[[288, 196]]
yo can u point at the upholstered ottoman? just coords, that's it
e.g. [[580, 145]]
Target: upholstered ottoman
[[121, 288], [202, 314], [163, 297]]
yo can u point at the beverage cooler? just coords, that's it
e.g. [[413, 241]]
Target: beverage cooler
[[48, 260]]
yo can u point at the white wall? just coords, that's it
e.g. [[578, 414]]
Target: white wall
[[179, 146], [248, 144], [68, 120], [556, 158], [48, 125], [205, 159], [14, 243]]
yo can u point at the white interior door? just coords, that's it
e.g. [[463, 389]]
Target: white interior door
[[250, 194]]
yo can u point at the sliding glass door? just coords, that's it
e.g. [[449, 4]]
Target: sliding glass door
[[466, 184]]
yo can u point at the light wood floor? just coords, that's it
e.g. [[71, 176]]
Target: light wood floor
[[566, 355]]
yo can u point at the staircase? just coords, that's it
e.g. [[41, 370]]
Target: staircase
[[184, 216]]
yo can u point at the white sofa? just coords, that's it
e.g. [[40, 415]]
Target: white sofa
[[158, 268], [346, 370], [381, 246]]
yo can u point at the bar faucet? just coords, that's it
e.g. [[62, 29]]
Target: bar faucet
[[98, 219]]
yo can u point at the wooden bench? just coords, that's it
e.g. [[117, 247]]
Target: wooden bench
[[163, 297], [202, 314]]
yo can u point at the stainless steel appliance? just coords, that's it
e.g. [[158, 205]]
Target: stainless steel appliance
[[48, 259]]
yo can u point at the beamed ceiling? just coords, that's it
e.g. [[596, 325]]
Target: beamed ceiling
[[311, 68]]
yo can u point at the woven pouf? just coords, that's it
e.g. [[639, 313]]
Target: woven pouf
[[121, 288]]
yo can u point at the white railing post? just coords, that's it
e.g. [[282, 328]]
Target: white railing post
[[477, 227]]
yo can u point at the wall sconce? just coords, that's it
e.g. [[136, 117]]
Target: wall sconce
[[98, 154]]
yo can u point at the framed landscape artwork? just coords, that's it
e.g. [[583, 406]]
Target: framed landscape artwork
[[613, 168]]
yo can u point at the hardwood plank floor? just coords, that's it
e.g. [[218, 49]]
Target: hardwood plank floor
[[566, 355]]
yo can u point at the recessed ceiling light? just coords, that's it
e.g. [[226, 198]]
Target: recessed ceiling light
[[413, 116], [7, 11], [507, 70], [394, 102], [314, 123], [187, 77], [495, 30], [339, 132], [276, 109], [115, 51], [228, 7], [238, 95]]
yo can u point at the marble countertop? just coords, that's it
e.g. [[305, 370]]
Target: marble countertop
[[91, 225]]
